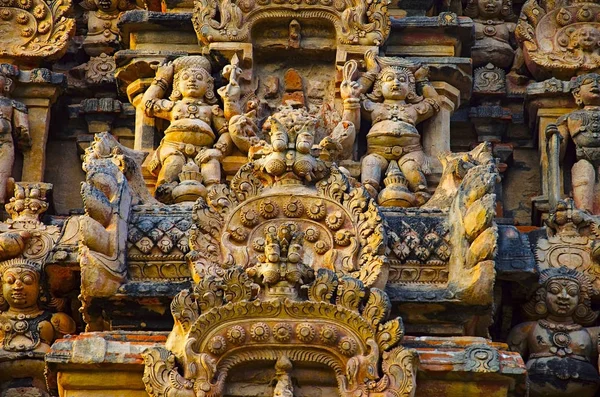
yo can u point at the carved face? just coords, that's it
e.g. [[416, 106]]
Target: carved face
[[279, 139], [193, 83], [395, 85], [587, 38], [20, 287], [295, 253], [489, 9], [107, 5], [304, 142], [272, 252], [562, 297], [589, 91]]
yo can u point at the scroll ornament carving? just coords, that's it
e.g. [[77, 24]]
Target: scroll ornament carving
[[342, 227], [569, 42], [356, 22], [471, 217], [113, 184], [227, 321], [38, 29]]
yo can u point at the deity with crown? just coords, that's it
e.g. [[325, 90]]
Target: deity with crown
[[197, 136]]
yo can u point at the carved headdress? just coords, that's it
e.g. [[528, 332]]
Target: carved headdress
[[577, 82], [397, 66], [20, 263], [194, 62]]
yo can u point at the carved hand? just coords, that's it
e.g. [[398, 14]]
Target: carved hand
[[350, 88], [165, 71], [371, 62], [208, 154], [422, 73]]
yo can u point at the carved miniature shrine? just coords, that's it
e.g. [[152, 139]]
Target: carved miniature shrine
[[256, 198]]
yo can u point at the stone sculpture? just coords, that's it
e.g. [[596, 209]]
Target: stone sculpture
[[103, 34], [395, 109], [560, 352], [494, 32], [559, 38], [198, 133], [13, 120], [583, 126], [25, 328]]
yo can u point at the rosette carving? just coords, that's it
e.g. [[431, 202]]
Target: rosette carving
[[36, 29]]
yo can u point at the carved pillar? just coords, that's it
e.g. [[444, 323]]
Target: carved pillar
[[436, 130], [38, 90]]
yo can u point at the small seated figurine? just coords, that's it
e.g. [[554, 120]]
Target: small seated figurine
[[583, 126], [13, 119], [560, 353], [25, 328], [494, 32], [395, 109], [196, 121]]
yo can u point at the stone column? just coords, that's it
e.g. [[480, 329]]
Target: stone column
[[38, 90], [436, 130]]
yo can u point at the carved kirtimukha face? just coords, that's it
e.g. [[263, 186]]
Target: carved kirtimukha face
[[20, 287], [395, 84], [586, 38], [588, 92], [489, 9], [193, 83], [562, 297]]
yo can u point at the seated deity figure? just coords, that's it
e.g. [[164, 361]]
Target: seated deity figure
[[494, 32], [196, 121], [583, 126], [25, 328], [560, 353], [394, 108], [13, 119]]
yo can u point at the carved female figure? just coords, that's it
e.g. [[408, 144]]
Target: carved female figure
[[25, 327], [494, 30], [395, 109], [13, 119], [560, 353], [196, 120]]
